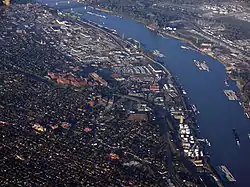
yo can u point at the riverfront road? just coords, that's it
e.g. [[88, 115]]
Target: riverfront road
[[219, 42]]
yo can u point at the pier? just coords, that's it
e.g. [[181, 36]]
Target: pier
[[231, 95]]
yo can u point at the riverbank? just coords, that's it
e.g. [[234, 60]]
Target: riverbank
[[179, 91], [239, 85], [208, 97], [208, 165], [218, 116]]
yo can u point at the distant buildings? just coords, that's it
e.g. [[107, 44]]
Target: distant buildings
[[117, 77], [38, 128], [138, 117], [68, 79], [99, 79], [154, 70], [154, 87], [206, 47]]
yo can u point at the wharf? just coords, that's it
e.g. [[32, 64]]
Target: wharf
[[231, 95], [225, 174]]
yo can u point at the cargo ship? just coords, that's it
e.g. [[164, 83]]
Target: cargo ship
[[201, 65], [198, 64], [225, 174], [204, 66], [236, 137]]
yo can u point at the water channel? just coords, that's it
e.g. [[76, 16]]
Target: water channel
[[205, 89]]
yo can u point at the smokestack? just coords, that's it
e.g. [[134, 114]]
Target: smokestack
[[6, 2]]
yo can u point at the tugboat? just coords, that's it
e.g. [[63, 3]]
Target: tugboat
[[236, 137]]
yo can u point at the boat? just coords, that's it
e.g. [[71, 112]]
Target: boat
[[160, 35], [184, 47], [225, 174], [158, 54], [226, 83], [247, 115], [151, 27], [195, 109], [198, 64], [113, 31], [208, 143], [136, 44], [204, 66], [94, 14], [103, 10], [201, 65], [236, 137], [249, 135], [184, 92]]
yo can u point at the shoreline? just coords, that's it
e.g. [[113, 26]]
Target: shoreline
[[237, 82], [163, 67], [209, 165], [185, 104]]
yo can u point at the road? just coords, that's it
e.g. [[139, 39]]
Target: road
[[219, 42]]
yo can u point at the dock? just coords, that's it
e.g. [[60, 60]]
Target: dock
[[225, 174], [231, 95]]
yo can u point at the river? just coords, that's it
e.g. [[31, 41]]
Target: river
[[205, 89]]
